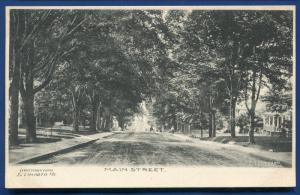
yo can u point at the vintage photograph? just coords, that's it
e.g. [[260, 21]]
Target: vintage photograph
[[150, 88]]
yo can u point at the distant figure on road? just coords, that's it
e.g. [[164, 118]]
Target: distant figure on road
[[172, 129], [151, 129]]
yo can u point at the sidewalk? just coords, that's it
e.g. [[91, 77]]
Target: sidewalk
[[33, 152], [285, 158]]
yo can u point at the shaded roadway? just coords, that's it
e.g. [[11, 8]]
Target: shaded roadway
[[145, 148]]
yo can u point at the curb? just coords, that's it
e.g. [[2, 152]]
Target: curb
[[62, 151]]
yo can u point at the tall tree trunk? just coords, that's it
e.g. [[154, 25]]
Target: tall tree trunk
[[210, 126], [21, 114], [255, 92], [76, 116], [174, 120], [107, 118], [251, 131], [77, 106], [98, 122], [14, 105], [232, 116], [107, 123], [93, 122], [13, 119], [254, 98], [27, 91], [213, 124], [29, 117], [103, 123], [121, 123], [16, 29]]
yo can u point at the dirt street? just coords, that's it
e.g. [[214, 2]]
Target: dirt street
[[145, 148]]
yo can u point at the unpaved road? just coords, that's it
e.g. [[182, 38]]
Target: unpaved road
[[145, 148]]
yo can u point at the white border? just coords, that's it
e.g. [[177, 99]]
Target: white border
[[95, 177]]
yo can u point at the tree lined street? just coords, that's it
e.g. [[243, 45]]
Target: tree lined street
[[201, 73]]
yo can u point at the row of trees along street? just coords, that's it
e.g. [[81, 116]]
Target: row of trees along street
[[73, 65]]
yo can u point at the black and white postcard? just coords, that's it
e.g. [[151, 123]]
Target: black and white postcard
[[151, 96]]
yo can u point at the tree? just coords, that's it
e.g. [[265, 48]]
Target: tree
[[241, 48], [52, 105], [101, 67], [269, 36], [17, 29], [222, 35], [39, 50], [197, 67], [279, 96]]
